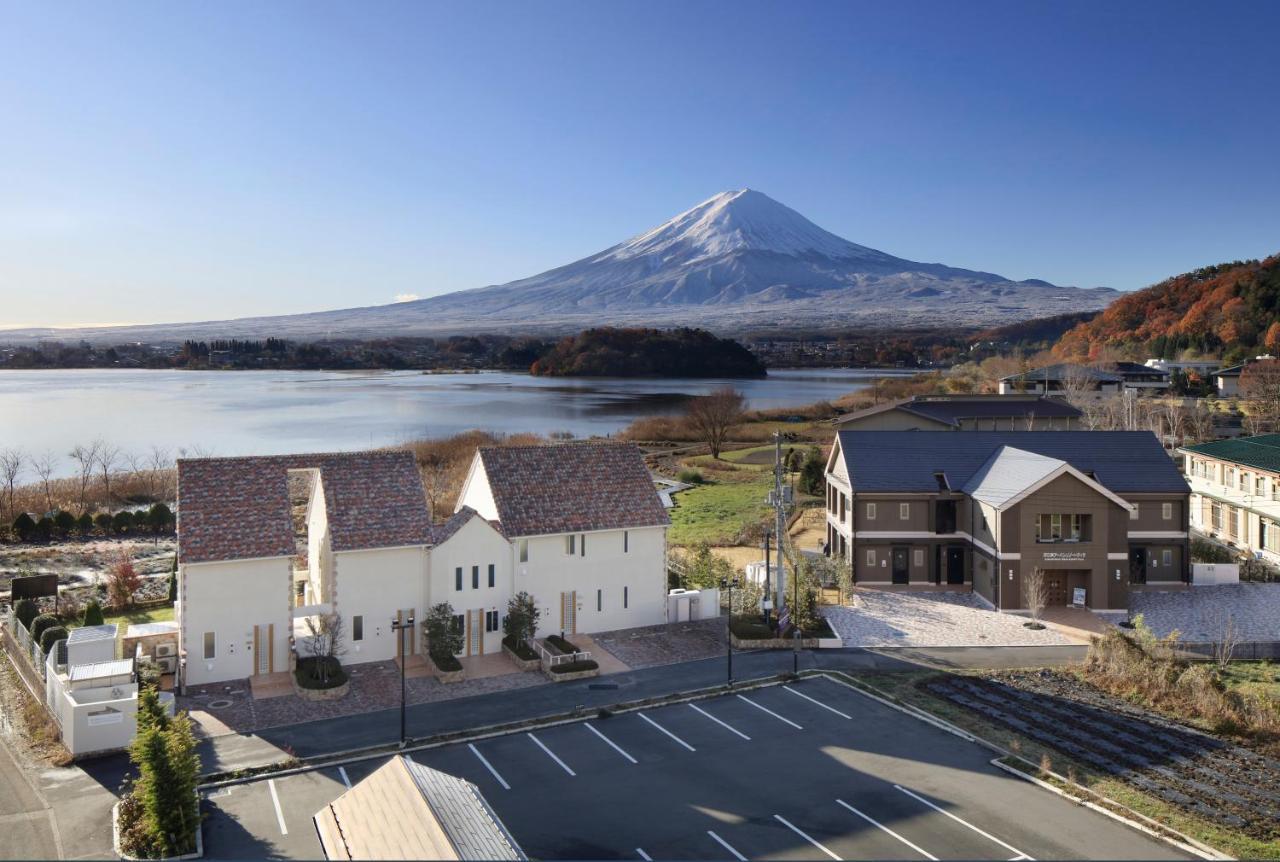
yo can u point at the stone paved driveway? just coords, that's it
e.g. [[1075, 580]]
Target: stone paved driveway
[[1199, 613], [665, 644], [879, 618]]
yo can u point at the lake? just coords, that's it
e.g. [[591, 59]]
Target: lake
[[271, 412]]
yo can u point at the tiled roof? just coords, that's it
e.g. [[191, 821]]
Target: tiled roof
[[238, 508], [571, 487], [906, 461], [1262, 452], [443, 532]]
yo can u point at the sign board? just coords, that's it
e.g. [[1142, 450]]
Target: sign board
[[108, 716], [34, 586], [1077, 596], [1063, 555]]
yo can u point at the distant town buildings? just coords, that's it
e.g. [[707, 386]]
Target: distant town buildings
[[1235, 493], [1014, 412]]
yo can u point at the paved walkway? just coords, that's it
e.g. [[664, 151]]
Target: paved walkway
[[1199, 613], [880, 618]]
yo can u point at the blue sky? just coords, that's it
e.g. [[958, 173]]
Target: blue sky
[[180, 161]]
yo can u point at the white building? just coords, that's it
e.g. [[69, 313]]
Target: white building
[[1235, 493], [265, 543]]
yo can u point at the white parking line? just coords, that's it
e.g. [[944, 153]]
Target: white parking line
[[611, 743], [275, 800], [818, 702], [925, 853], [726, 845], [342, 772], [643, 855], [1020, 855], [787, 823], [551, 754], [489, 766], [667, 732], [771, 712], [725, 725]]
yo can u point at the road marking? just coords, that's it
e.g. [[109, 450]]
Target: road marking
[[489, 766], [667, 732], [275, 800], [551, 754], [771, 712], [342, 771], [726, 845], [643, 855], [818, 702], [1008, 847], [611, 743], [725, 725], [925, 853], [787, 823]]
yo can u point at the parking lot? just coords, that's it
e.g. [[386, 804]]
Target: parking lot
[[803, 771]]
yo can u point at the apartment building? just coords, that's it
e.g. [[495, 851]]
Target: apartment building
[[1010, 412], [1235, 493], [1105, 512]]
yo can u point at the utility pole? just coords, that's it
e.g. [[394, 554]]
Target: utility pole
[[779, 501], [766, 601], [399, 628]]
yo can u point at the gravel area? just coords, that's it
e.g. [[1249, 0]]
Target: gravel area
[[1199, 613], [665, 644], [880, 618]]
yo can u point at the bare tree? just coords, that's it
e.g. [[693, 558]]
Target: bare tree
[[1199, 422], [714, 415], [159, 459], [1228, 640], [325, 643], [435, 480], [11, 464], [108, 461], [1035, 592], [44, 467], [86, 458], [1260, 383], [1078, 384]]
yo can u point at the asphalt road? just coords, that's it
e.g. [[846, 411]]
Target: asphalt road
[[27, 826], [770, 774]]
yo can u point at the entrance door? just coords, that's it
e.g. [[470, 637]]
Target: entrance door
[[475, 632], [569, 613], [262, 643], [1056, 582], [1138, 565], [900, 570], [955, 565]]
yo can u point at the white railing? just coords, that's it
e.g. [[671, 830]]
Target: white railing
[[552, 659]]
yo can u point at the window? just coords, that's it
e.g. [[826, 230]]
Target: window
[[1260, 486], [459, 623], [582, 545], [626, 541], [210, 650], [570, 544], [917, 557], [871, 557], [1166, 511], [357, 628], [1133, 513], [1229, 476], [871, 511], [1166, 557], [475, 577], [1215, 516], [1061, 527], [491, 621], [1244, 480], [457, 578], [904, 511], [625, 596], [599, 600], [1055, 527], [524, 550], [492, 577]]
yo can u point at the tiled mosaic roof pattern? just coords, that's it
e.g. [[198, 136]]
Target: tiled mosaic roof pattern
[[238, 508], [1261, 452], [574, 487]]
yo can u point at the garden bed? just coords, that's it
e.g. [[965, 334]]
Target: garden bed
[[447, 668], [521, 655], [306, 684], [560, 645], [573, 670]]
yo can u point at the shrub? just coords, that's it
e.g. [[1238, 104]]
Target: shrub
[[750, 628], [690, 476], [521, 622], [575, 666], [70, 607], [64, 522], [26, 610], [444, 637], [93, 613], [520, 648], [51, 636], [24, 527], [84, 524], [102, 521], [123, 580], [447, 663], [39, 624], [122, 521], [561, 644], [319, 672]]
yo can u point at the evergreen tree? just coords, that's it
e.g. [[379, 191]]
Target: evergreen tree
[[93, 614], [813, 473]]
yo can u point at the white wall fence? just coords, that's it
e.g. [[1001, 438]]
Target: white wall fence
[[551, 659], [1214, 574]]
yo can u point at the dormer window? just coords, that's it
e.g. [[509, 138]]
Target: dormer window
[[941, 479]]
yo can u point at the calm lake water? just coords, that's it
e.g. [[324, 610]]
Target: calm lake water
[[270, 412]]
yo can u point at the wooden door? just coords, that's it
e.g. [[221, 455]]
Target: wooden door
[[1058, 587]]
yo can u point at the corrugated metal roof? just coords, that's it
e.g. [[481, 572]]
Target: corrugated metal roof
[[1262, 452], [87, 634], [473, 828], [101, 670], [1008, 473], [1123, 461]]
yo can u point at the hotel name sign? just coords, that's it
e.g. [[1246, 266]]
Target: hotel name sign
[[1063, 556]]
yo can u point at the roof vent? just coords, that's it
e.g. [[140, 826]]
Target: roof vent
[[941, 479]]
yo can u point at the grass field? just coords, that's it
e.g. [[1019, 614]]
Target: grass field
[[716, 512], [148, 615], [1254, 677]]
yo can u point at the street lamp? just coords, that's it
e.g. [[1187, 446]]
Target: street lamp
[[728, 584], [399, 626]]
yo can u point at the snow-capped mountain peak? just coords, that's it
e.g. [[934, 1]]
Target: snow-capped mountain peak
[[735, 221]]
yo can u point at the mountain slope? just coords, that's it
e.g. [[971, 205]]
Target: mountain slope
[[1231, 309], [737, 261]]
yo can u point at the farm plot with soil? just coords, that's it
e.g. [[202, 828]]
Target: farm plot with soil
[[1209, 777]]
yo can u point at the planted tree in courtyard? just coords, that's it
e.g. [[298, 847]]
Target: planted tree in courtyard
[[123, 580], [521, 622], [704, 569], [1035, 592], [711, 417], [444, 637], [161, 813], [325, 643], [93, 613]]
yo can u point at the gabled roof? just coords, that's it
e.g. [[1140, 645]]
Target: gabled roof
[[456, 522], [905, 461], [1063, 370], [950, 410], [1011, 474], [238, 508], [571, 487], [1138, 369], [1261, 452]]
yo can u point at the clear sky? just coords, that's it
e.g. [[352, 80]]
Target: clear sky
[[183, 161]]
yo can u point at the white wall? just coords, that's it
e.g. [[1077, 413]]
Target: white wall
[[375, 584], [319, 549], [476, 543], [476, 492], [229, 599]]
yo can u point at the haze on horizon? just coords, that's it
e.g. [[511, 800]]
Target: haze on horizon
[[177, 163]]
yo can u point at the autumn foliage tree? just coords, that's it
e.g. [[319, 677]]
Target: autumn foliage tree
[[123, 580]]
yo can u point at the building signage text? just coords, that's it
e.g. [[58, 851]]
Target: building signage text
[[1064, 555]]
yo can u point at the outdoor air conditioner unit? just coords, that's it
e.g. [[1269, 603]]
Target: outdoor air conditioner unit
[[164, 650], [169, 664]]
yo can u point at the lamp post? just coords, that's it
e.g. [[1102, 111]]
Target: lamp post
[[727, 584], [398, 627], [795, 620]]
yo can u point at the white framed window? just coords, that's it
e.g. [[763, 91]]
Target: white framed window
[[917, 557], [582, 545], [871, 511], [1166, 511], [1166, 557], [457, 579], [524, 550], [491, 621], [475, 577], [904, 511], [871, 557], [1244, 481], [210, 645], [571, 544]]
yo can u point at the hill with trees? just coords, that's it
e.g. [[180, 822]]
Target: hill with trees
[[1232, 309], [613, 352]]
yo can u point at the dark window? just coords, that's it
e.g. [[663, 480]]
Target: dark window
[[625, 542], [583, 545], [457, 578], [624, 596], [599, 600], [357, 628], [475, 577], [491, 621], [491, 577], [944, 516], [459, 623]]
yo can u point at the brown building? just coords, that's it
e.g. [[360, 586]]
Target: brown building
[[966, 413], [1105, 512]]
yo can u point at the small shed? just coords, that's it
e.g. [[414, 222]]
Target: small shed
[[106, 674], [91, 644]]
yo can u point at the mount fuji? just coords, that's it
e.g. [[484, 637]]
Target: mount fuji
[[737, 262]]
